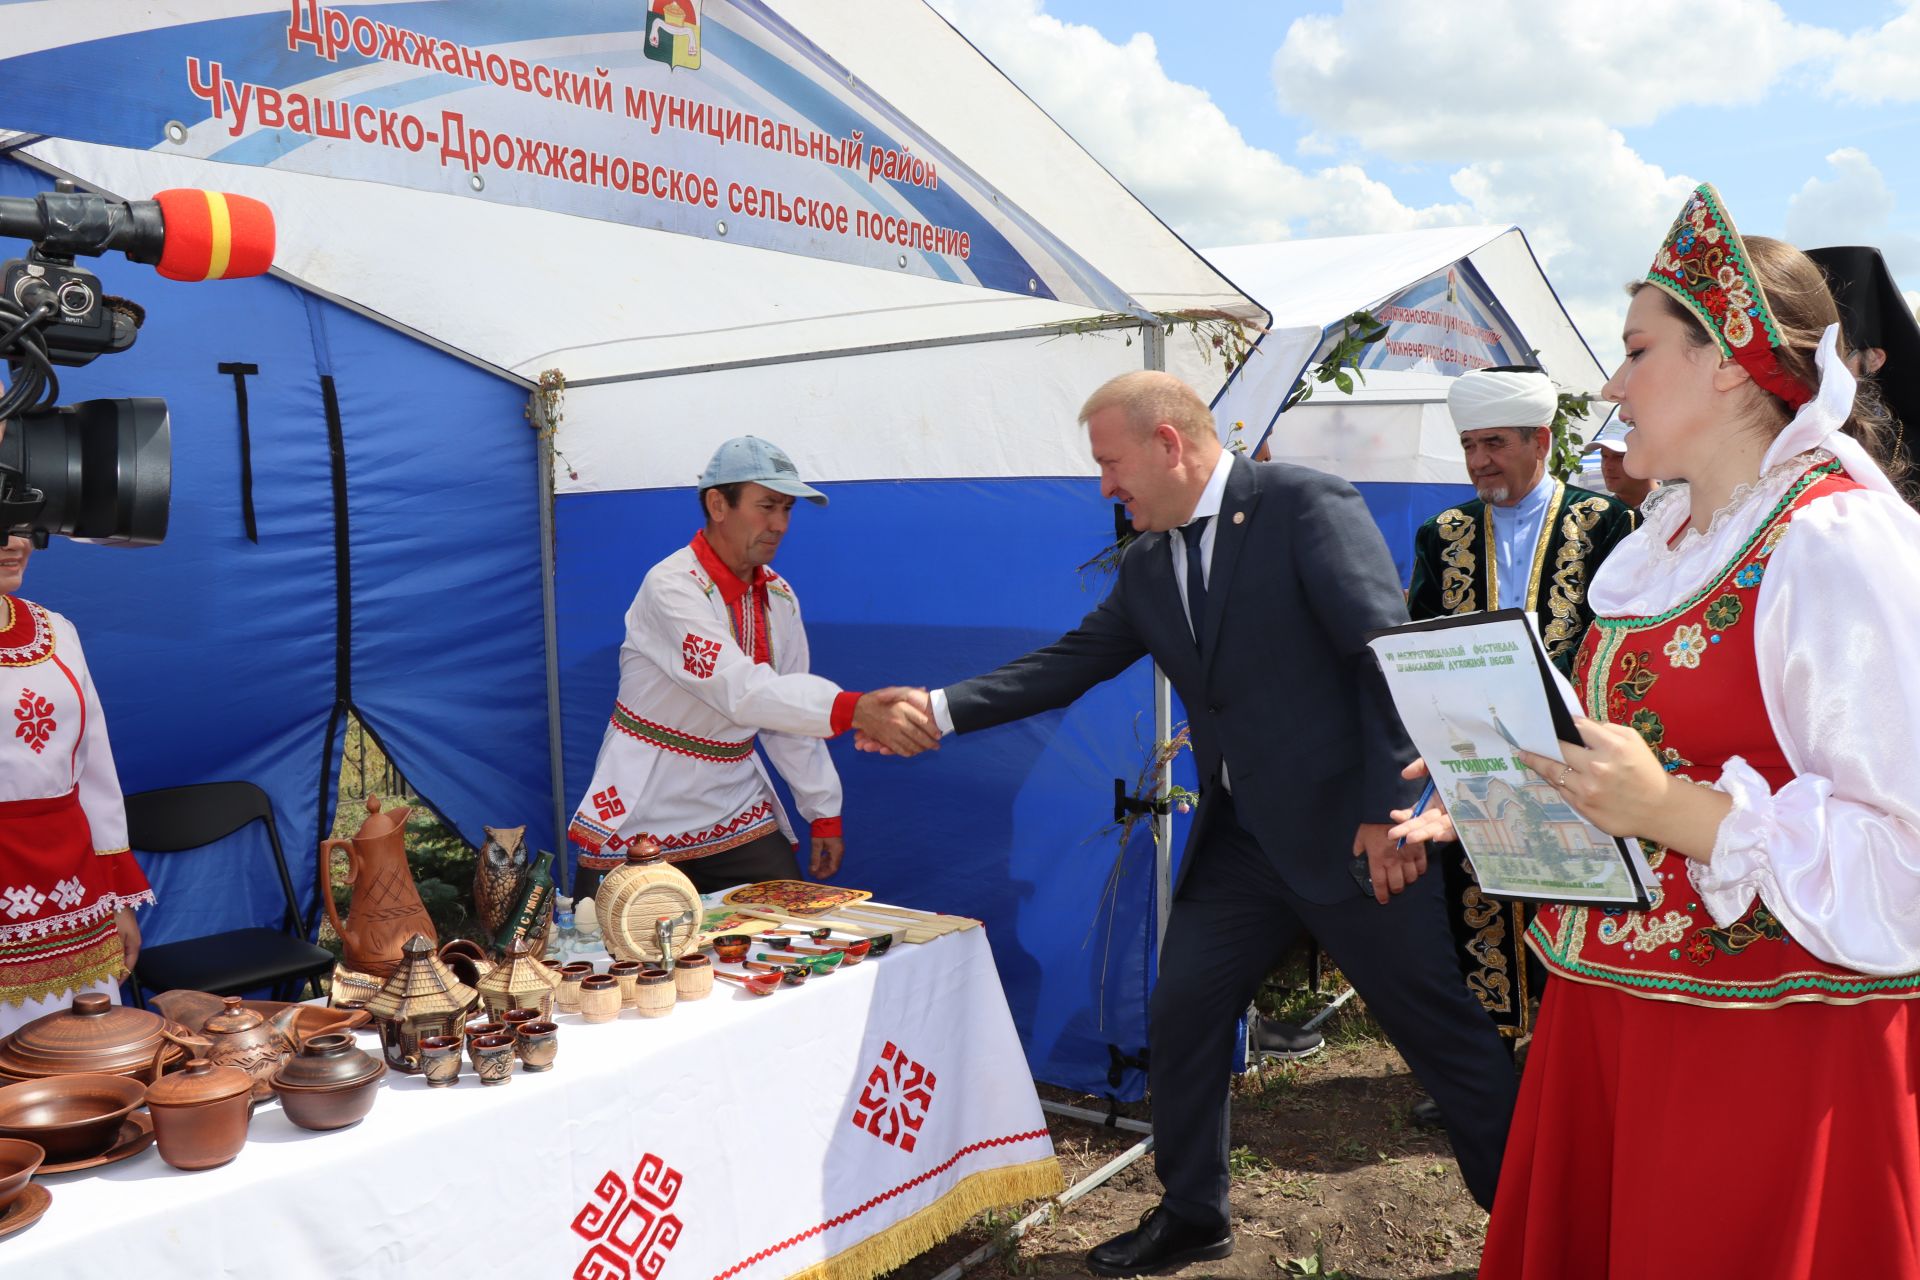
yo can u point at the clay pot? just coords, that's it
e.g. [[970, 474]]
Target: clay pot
[[330, 1084], [521, 981], [93, 1036], [567, 995], [200, 1114], [240, 1037], [73, 1117], [422, 998], [653, 993], [441, 1055], [386, 908], [297, 1022], [468, 961], [693, 977], [600, 998], [492, 1058], [514, 1019], [18, 1160], [623, 971], [732, 947], [538, 1043]]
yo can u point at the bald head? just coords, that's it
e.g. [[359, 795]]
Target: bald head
[[1148, 398]]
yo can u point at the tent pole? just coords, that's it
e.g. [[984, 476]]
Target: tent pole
[[1154, 340], [557, 780]]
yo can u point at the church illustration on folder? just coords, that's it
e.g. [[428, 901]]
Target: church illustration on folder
[[1521, 834]]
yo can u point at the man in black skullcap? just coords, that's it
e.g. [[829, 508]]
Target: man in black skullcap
[[1884, 336]]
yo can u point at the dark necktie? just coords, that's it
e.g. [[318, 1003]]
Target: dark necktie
[[1196, 577]]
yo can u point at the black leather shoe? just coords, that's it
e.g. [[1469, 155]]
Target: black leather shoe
[[1283, 1042], [1160, 1242], [1425, 1113]]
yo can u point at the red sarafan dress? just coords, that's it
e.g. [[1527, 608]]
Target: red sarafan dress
[[1728, 1083], [64, 864]]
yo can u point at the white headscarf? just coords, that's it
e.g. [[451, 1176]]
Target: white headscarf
[[1480, 398], [1818, 423]]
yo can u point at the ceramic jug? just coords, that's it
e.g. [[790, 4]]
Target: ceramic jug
[[386, 908]]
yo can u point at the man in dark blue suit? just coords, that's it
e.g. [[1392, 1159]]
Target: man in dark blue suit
[[1299, 751]]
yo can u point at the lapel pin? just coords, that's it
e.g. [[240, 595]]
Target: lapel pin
[[1239, 517]]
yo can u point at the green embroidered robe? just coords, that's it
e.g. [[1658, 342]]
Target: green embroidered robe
[[1454, 572]]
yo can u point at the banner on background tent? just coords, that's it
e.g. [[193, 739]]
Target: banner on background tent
[[709, 118], [1447, 323]]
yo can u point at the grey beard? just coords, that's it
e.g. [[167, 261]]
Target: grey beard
[[1495, 494]]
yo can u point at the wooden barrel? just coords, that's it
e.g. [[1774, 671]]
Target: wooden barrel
[[632, 899]]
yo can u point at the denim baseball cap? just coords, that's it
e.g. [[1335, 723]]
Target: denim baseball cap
[[749, 458]]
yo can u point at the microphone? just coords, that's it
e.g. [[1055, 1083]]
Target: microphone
[[184, 233]]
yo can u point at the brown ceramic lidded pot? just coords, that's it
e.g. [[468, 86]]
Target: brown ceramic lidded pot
[[92, 1036], [521, 981], [200, 1114], [422, 998], [330, 1084]]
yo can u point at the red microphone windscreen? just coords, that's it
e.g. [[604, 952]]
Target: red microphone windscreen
[[214, 236]]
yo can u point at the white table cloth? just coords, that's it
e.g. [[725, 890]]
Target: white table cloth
[[832, 1130]]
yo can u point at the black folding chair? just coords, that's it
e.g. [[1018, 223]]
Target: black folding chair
[[175, 819]]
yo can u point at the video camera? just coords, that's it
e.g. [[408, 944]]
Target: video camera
[[101, 470]]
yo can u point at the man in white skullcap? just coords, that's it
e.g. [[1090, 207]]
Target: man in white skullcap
[[1527, 541]]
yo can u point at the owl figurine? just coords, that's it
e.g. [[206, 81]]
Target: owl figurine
[[499, 876]]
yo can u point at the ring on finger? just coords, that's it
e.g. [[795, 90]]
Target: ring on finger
[[1566, 771]]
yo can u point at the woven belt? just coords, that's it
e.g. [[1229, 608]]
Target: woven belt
[[679, 742]]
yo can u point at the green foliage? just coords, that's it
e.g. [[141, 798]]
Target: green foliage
[[1313, 1265], [1341, 364], [1564, 460], [1245, 1162]]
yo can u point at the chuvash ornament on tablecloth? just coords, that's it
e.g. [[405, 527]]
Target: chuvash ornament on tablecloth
[[386, 909], [422, 998]]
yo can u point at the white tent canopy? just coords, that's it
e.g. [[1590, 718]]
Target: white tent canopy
[[1393, 427]]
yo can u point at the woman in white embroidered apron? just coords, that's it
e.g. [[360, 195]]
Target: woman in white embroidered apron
[[68, 885], [1725, 1085]]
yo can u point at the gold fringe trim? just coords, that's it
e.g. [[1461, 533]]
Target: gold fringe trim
[[76, 971], [907, 1239]]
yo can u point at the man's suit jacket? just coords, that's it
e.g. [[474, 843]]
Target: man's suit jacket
[[1285, 689]]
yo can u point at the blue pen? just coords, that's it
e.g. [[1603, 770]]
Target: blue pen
[[1426, 794]]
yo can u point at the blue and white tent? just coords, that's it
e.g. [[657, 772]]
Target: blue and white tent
[[1453, 298], [427, 560]]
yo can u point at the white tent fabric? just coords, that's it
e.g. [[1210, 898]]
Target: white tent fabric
[[1385, 429]]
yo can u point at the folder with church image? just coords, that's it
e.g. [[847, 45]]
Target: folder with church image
[[1473, 690]]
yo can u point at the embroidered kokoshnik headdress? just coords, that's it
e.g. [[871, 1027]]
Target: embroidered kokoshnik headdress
[[1704, 264]]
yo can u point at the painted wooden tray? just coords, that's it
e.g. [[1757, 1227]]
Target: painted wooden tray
[[794, 897]]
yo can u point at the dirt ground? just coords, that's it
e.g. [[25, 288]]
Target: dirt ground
[[1329, 1179]]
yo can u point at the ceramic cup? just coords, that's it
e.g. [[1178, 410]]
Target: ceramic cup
[[566, 997], [514, 1019], [492, 1058], [693, 977], [477, 1029], [623, 971], [654, 993], [600, 998], [440, 1056], [538, 1043]]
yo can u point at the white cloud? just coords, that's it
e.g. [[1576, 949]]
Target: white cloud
[[1880, 64], [1413, 80], [1169, 142], [1854, 206]]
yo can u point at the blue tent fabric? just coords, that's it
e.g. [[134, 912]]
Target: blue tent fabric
[[216, 656], [1000, 825]]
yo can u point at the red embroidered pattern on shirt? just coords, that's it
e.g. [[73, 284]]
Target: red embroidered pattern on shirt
[[36, 723], [26, 635], [698, 655], [894, 1104], [628, 1223], [608, 804], [759, 813]]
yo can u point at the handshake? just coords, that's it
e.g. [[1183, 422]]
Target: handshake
[[895, 722]]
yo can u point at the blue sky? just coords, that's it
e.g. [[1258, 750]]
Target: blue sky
[[1245, 121]]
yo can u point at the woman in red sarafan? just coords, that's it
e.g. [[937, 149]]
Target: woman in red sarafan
[[68, 885], [1726, 1084]]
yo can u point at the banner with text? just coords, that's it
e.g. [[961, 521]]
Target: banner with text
[[710, 118], [1448, 323]]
